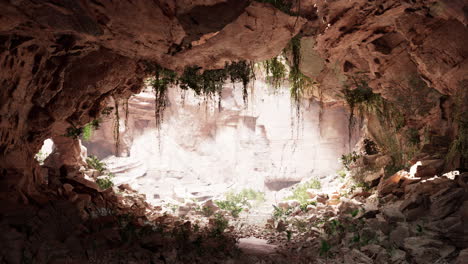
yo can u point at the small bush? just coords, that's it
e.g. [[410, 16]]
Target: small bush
[[279, 212], [300, 191], [236, 201], [220, 224], [96, 164], [348, 159], [105, 182]]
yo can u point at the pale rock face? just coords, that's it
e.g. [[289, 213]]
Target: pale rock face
[[265, 145]]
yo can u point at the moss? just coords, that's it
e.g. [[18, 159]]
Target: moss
[[89, 128]]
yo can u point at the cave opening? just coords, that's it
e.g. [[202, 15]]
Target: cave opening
[[217, 131]]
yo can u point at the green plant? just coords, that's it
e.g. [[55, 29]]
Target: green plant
[[348, 159], [89, 128], [96, 164], [324, 248], [341, 173], [275, 72], [288, 235], [220, 224], [207, 211], [279, 212], [74, 132], [354, 212], [163, 78], [297, 79], [233, 208], [282, 5], [412, 135], [105, 182], [304, 205], [300, 191]]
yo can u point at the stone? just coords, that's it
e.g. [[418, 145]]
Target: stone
[[462, 257], [386, 186], [427, 250], [322, 198], [311, 193], [399, 234], [429, 168]]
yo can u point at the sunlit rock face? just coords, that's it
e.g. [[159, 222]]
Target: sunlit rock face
[[263, 143]]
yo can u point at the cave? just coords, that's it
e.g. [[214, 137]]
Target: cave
[[222, 131]]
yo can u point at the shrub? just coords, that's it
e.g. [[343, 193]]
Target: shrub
[[105, 182], [348, 159], [96, 164], [220, 224], [300, 191], [236, 201]]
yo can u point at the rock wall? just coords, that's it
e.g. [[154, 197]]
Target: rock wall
[[61, 60], [202, 142]]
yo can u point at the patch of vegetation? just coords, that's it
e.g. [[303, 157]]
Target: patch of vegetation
[[282, 5], [220, 224], [74, 132], [279, 212], [412, 135], [348, 159], [297, 79], [241, 71], [235, 202], [304, 205], [325, 248], [96, 164], [300, 191], [89, 128], [275, 72], [163, 79], [341, 173], [106, 181]]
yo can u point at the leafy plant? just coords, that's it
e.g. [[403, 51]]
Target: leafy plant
[[288, 235], [324, 248], [236, 201], [279, 212], [297, 79], [282, 5], [207, 211], [163, 78], [220, 224], [304, 205], [74, 132], [300, 191], [105, 182], [96, 164], [348, 159], [89, 128], [275, 72]]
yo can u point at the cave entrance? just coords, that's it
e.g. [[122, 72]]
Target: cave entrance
[[223, 148]]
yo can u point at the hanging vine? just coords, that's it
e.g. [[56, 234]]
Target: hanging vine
[[163, 78], [116, 128]]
